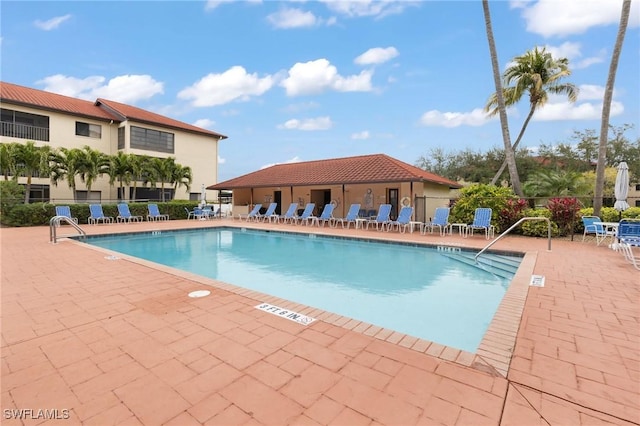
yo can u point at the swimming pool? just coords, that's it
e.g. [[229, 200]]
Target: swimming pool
[[412, 289]]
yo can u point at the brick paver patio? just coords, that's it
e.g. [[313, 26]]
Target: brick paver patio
[[106, 342]]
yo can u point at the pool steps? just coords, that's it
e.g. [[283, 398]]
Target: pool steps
[[502, 266]]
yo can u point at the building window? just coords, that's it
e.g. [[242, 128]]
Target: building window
[[152, 140], [83, 196], [638, 187], [120, 137], [194, 196], [38, 193], [22, 125], [89, 130]]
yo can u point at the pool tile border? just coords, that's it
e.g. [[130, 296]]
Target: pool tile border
[[493, 355]]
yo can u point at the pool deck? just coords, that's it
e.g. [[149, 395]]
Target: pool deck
[[118, 341]]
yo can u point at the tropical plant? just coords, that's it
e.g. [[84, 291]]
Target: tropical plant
[[181, 176], [511, 213], [479, 195], [501, 105], [92, 164], [606, 106], [548, 183], [64, 164], [564, 212], [139, 171], [120, 170], [161, 170], [7, 160], [539, 74], [31, 159]]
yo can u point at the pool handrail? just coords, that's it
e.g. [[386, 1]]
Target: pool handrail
[[513, 226]]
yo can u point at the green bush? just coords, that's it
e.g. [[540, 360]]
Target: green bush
[[11, 194], [539, 228], [609, 214], [481, 195]]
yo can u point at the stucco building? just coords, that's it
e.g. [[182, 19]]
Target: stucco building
[[61, 121]]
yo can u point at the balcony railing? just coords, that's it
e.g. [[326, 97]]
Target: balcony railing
[[24, 131]]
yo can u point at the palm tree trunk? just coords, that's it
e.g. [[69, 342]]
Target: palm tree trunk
[[27, 190], [510, 156], [606, 108], [515, 145]]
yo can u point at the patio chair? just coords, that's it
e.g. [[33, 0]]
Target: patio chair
[[97, 215], [403, 221], [325, 217], [196, 213], [351, 217], [271, 210], [252, 214], [440, 220], [383, 217], [65, 211], [289, 214], [154, 213], [481, 221], [306, 214], [593, 226], [627, 251], [124, 214]]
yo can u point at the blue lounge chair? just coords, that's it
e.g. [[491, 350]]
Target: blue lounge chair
[[289, 215], [383, 218], [154, 213], [440, 220], [97, 215], [306, 214], [196, 213], [403, 221], [66, 212], [481, 221], [351, 217], [124, 214], [325, 217], [629, 232], [271, 210], [252, 214]]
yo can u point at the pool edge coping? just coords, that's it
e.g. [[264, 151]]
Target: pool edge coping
[[494, 352]]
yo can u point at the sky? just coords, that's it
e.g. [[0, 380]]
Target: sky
[[299, 80]]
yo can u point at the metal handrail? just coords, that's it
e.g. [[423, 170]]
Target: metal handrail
[[55, 222], [513, 226]]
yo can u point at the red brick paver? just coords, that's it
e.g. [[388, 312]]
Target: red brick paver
[[119, 342]]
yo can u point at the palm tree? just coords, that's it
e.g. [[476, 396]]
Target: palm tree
[[181, 176], [552, 183], [65, 164], [501, 104], [539, 74], [161, 171], [93, 164], [7, 160], [606, 107], [139, 166], [31, 159], [120, 169]]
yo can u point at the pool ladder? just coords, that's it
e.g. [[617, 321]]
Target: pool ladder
[[513, 226], [54, 223]]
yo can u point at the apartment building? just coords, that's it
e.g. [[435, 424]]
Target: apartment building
[[110, 127]]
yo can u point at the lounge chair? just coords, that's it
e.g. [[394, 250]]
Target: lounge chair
[[626, 249], [252, 214], [124, 214], [351, 217], [593, 226], [325, 217], [269, 214], [154, 213], [66, 212], [306, 214], [403, 221], [481, 221], [383, 217], [196, 213], [440, 220], [97, 215], [289, 215]]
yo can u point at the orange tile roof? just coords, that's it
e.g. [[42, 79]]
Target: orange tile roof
[[101, 109], [361, 169]]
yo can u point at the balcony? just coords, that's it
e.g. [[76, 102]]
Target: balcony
[[24, 131]]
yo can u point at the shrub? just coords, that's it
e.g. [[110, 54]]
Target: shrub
[[564, 212], [481, 195], [11, 194], [538, 228], [511, 213]]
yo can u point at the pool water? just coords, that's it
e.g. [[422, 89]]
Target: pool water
[[414, 290]]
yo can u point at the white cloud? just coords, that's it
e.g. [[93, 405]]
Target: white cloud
[[572, 51], [435, 118], [295, 159], [212, 4], [52, 23], [562, 18], [124, 88], [568, 111], [292, 18], [361, 135], [317, 76], [377, 55], [218, 89], [221, 160], [304, 106], [591, 91], [204, 123], [309, 124], [376, 8]]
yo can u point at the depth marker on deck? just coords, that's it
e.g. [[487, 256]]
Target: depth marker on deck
[[285, 313], [537, 281]]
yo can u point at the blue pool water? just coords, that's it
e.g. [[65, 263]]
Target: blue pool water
[[415, 290]]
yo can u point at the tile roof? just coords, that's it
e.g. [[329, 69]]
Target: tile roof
[[361, 169], [101, 109]]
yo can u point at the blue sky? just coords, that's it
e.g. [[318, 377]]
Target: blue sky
[[308, 80]]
